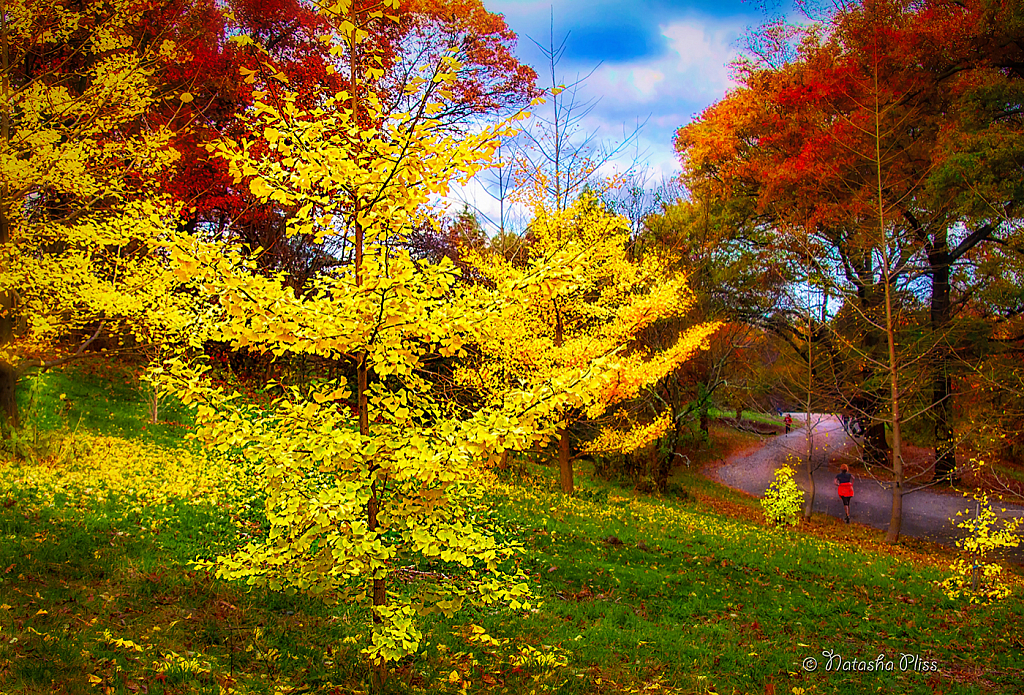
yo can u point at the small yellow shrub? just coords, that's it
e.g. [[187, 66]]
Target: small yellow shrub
[[974, 577], [783, 499]]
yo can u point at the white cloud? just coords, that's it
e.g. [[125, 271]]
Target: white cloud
[[666, 89], [694, 69], [641, 84]]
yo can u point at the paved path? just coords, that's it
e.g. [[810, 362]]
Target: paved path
[[926, 513]]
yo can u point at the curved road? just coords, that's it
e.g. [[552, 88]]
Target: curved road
[[926, 514]]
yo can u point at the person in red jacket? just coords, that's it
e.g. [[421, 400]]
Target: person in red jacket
[[844, 486]]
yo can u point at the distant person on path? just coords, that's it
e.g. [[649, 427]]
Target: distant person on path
[[789, 422], [844, 486]]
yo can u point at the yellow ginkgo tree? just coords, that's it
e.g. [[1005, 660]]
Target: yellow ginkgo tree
[[578, 330], [372, 474], [78, 221]]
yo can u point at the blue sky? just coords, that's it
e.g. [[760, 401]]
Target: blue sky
[[659, 61]]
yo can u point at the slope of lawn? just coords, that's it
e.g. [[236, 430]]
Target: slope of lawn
[[638, 593]]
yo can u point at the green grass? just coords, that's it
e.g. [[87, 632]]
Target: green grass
[[751, 415], [1011, 471], [639, 594], [703, 600], [100, 396]]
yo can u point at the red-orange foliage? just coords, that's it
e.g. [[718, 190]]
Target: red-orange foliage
[[937, 87], [222, 76]]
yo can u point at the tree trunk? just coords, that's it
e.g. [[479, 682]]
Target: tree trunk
[[8, 375], [677, 430], [564, 462], [154, 406], [8, 402], [809, 497], [945, 443], [378, 668], [379, 596], [896, 515], [876, 448], [945, 447]]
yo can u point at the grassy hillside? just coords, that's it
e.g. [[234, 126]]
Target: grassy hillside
[[684, 594]]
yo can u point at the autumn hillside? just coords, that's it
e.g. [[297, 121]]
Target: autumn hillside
[[103, 517], [339, 353]]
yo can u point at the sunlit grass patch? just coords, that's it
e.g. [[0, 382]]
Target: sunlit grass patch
[[101, 466], [100, 396], [652, 592]]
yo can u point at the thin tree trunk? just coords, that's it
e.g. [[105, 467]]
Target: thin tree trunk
[[896, 517], [8, 402], [8, 374], [876, 445], [945, 443], [565, 461], [379, 596], [940, 314], [809, 499], [564, 450]]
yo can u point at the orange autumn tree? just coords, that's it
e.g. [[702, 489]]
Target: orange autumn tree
[[581, 325]]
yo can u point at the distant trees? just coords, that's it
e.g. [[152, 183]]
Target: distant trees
[[877, 123], [585, 325], [737, 281]]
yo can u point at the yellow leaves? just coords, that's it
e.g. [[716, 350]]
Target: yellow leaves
[[123, 643], [570, 312], [185, 97], [334, 395], [633, 439], [783, 500], [241, 41], [95, 261], [262, 190], [974, 577]]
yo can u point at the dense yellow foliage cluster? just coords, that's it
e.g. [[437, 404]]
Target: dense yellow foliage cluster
[[74, 156], [576, 330], [91, 468], [348, 498]]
